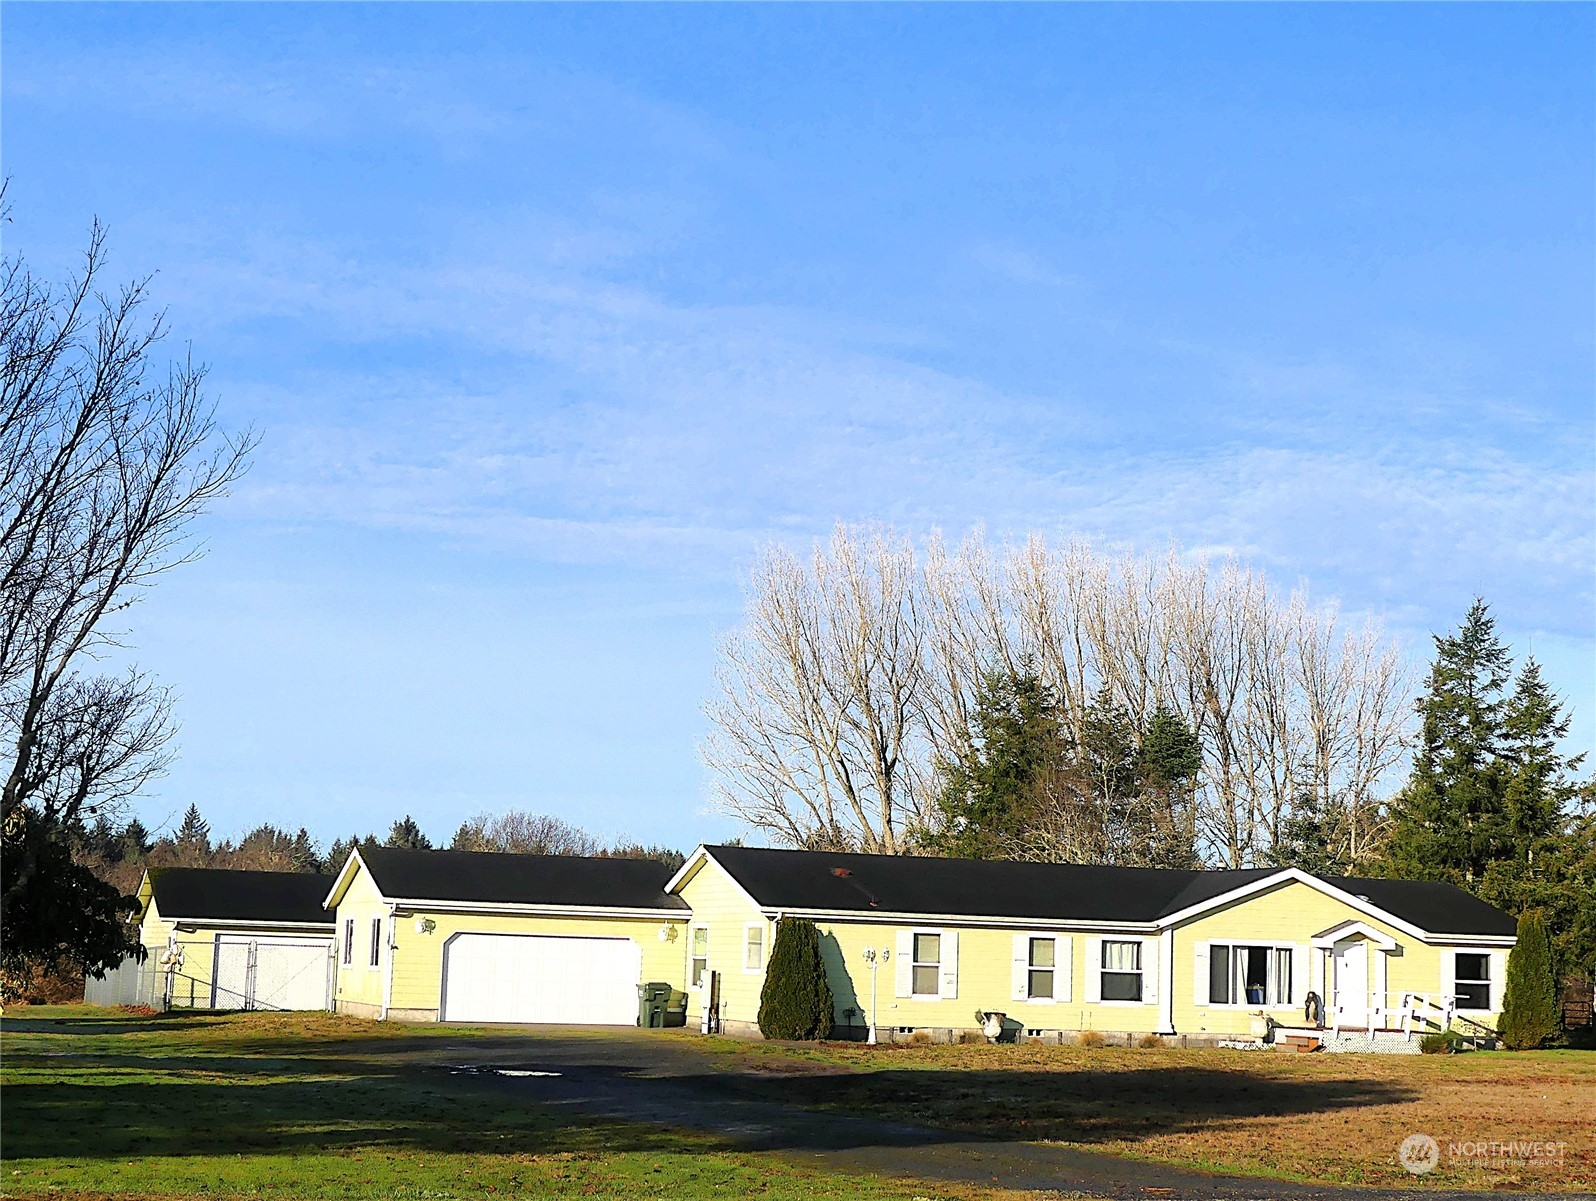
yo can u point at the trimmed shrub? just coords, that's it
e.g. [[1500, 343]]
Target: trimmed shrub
[[796, 1002], [1440, 1042], [1529, 1006]]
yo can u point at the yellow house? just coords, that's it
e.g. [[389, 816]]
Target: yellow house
[[469, 936], [1050, 950], [221, 939]]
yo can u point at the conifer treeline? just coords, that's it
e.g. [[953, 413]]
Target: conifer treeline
[[119, 853]]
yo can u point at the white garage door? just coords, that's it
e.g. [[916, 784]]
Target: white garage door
[[271, 973], [541, 978]]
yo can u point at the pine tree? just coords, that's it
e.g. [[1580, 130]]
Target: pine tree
[[406, 835], [796, 1002], [1450, 821], [303, 853], [990, 791], [1314, 837], [1529, 1005], [1171, 756], [194, 835]]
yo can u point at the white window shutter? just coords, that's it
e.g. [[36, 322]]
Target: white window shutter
[[1199, 988], [1020, 978], [1151, 969], [1498, 971], [904, 967], [1094, 970], [1301, 958], [950, 965], [1449, 977], [1064, 968]]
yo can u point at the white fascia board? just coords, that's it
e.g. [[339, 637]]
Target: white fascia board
[[433, 905], [345, 876], [685, 872], [1473, 940], [886, 917]]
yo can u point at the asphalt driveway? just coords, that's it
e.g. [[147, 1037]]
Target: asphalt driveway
[[673, 1080]]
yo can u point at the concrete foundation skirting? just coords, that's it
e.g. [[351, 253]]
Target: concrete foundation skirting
[[357, 1009]]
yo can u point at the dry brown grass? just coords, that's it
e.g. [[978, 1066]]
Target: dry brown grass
[[1331, 1118]]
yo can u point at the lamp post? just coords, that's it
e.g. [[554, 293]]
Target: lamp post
[[875, 959]]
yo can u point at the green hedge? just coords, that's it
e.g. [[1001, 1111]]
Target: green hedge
[[1529, 1007]]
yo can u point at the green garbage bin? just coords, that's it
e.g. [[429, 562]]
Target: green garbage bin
[[652, 1002]]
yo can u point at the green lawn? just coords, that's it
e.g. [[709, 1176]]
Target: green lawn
[[262, 1106]]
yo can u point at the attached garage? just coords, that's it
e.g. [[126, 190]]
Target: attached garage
[[483, 936], [541, 978]]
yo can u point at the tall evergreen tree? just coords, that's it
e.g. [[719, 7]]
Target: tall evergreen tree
[[194, 835], [1450, 821], [406, 835], [990, 793]]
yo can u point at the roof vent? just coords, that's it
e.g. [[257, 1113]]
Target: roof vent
[[1363, 896], [840, 871]]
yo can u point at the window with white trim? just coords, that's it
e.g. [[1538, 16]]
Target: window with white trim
[[1249, 975], [926, 979], [376, 941], [349, 942], [700, 955], [1122, 971], [753, 948], [1472, 980], [1042, 961]]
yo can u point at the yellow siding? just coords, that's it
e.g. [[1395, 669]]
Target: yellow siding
[[418, 957], [359, 984], [985, 982], [723, 909], [415, 958], [1292, 913]]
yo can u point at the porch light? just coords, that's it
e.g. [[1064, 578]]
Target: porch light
[[425, 925], [667, 932]]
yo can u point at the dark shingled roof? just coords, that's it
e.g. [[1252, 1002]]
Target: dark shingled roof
[[223, 895], [500, 879], [984, 888]]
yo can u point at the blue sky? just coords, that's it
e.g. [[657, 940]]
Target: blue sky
[[549, 317]]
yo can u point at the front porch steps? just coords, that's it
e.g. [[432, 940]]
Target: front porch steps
[[1379, 1042]]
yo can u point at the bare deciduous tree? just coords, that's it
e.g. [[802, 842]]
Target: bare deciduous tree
[[106, 458], [854, 676], [819, 736]]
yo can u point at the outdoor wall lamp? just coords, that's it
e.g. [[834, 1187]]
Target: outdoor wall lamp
[[425, 925], [667, 932]]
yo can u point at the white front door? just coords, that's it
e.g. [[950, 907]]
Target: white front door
[[541, 978], [1351, 963]]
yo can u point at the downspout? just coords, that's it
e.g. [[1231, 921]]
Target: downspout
[[1166, 991], [387, 967]]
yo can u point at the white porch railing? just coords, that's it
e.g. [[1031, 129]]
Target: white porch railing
[[1410, 1012]]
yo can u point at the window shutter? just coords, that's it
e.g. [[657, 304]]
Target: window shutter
[[1199, 988], [950, 965], [1150, 971], [1094, 970], [1064, 971], [1449, 977], [1020, 977], [1301, 955], [905, 963], [1498, 979]]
